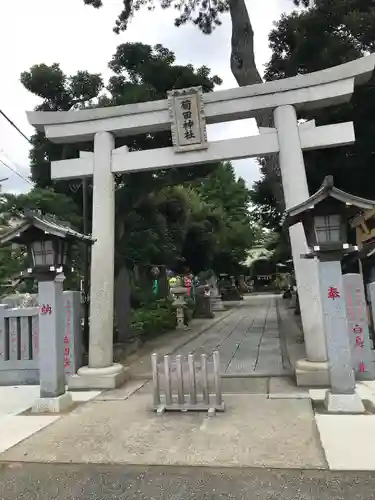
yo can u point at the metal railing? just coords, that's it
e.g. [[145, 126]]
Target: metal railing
[[175, 377]]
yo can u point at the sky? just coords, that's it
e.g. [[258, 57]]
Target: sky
[[81, 38]]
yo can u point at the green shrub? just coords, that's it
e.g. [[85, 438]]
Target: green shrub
[[157, 318]]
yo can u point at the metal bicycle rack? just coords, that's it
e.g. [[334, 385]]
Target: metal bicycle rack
[[173, 398]]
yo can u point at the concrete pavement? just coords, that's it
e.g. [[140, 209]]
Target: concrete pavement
[[113, 482], [15, 425], [253, 431]]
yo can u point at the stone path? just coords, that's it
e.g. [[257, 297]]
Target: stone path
[[139, 363], [247, 340]]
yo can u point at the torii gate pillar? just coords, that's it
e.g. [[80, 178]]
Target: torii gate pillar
[[101, 372], [312, 371]]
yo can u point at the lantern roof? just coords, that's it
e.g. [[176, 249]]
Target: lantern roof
[[327, 190], [47, 224]]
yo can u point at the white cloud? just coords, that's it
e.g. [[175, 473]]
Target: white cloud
[[80, 37]]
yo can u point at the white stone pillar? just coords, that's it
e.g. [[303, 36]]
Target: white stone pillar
[[102, 254], [358, 328], [342, 397], [53, 397], [312, 371], [101, 372]]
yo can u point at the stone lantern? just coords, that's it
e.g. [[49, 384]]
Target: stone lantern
[[325, 218], [49, 243], [179, 294]]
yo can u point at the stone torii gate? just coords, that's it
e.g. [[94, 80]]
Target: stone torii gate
[[288, 139]]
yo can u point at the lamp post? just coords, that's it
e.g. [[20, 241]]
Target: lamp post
[[325, 219], [49, 243]]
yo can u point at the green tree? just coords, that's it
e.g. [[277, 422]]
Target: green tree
[[47, 201], [12, 263], [204, 223], [58, 93], [230, 198], [329, 33]]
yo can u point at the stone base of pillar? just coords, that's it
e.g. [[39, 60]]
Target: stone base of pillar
[[343, 403], [52, 405], [88, 378], [217, 304], [312, 374]]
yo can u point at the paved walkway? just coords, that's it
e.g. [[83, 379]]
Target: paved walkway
[[139, 364], [247, 340], [246, 336]]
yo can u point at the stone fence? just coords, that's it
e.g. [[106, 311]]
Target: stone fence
[[19, 340]]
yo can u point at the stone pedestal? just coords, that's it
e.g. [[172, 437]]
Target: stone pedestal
[[343, 403], [310, 374], [53, 405], [203, 303], [53, 397], [341, 397], [295, 189], [101, 372], [108, 377], [216, 301]]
